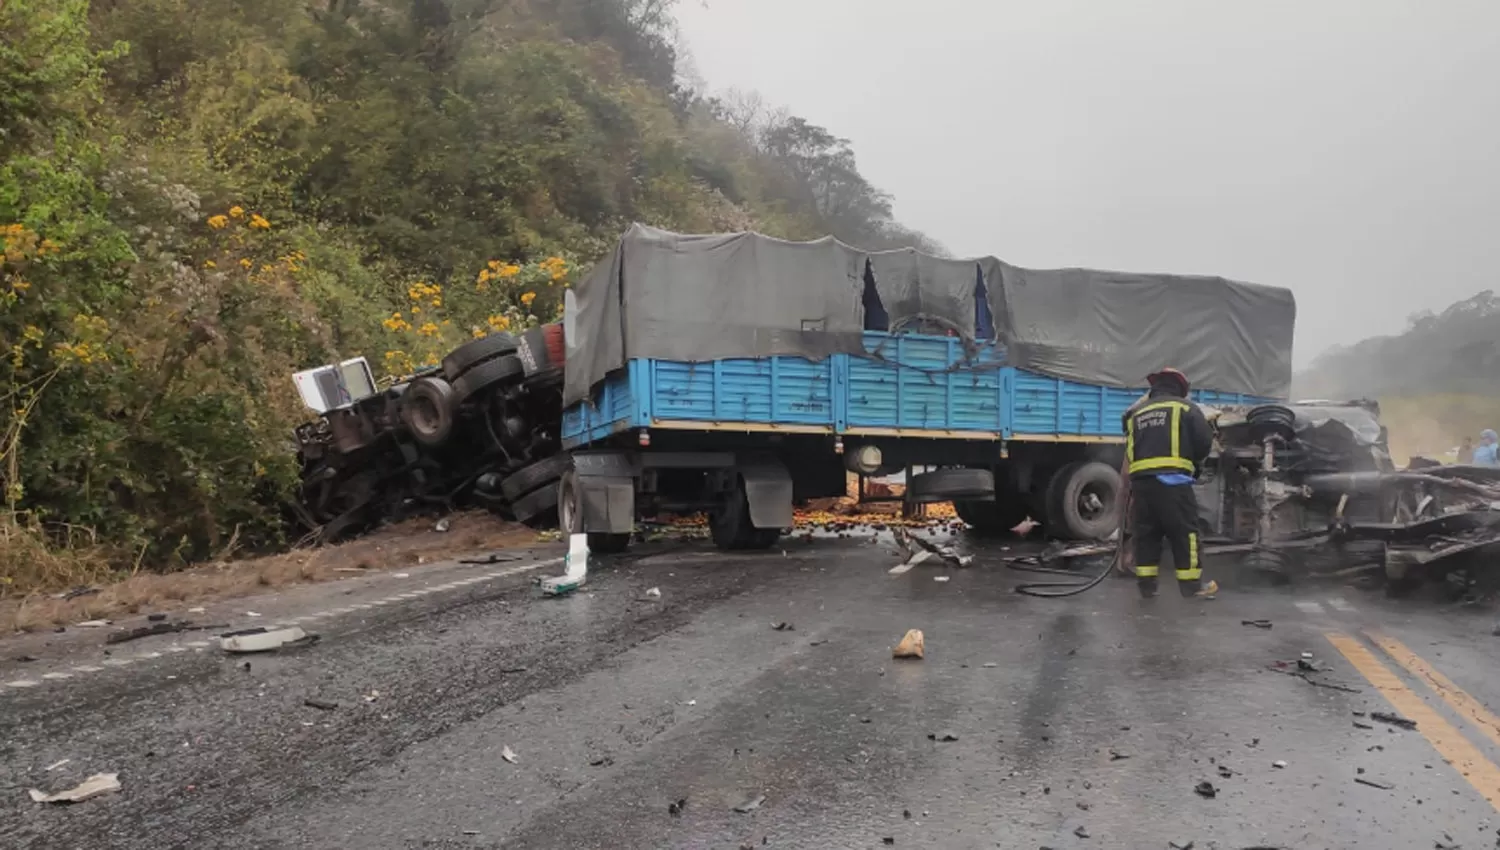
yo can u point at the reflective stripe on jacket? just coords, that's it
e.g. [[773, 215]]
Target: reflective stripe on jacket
[[1159, 437]]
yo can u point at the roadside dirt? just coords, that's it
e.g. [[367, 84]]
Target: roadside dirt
[[401, 545]]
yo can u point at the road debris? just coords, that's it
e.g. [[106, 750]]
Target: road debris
[[912, 645], [371, 696], [1081, 832], [601, 761], [1259, 624], [491, 558], [1281, 765], [320, 704], [157, 628], [1374, 783], [653, 593], [509, 755], [940, 578], [25, 659], [55, 765], [783, 627], [1115, 755], [1206, 789], [1359, 725], [889, 840], [443, 525], [99, 783], [989, 665], [1393, 719], [676, 807], [750, 805], [265, 640], [942, 737], [93, 624], [155, 618], [1225, 773], [1173, 845]]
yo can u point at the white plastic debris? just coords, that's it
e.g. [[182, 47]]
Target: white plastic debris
[[260, 640], [443, 524], [692, 702], [508, 754], [401, 575], [99, 783], [940, 578], [252, 614], [198, 610], [55, 765], [372, 696], [1280, 764], [576, 564], [654, 593], [93, 624]]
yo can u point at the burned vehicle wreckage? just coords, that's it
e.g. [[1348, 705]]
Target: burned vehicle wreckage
[[1309, 490]]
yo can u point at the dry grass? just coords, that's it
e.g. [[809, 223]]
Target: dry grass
[[1431, 425], [410, 543]]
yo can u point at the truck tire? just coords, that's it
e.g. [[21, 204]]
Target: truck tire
[[471, 354], [485, 375], [537, 508], [542, 352], [427, 409], [1083, 501], [570, 518], [946, 485], [539, 474], [730, 525], [993, 518]]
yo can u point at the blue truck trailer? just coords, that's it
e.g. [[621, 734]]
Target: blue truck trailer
[[741, 375]]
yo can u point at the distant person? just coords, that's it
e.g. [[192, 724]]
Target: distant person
[[1466, 451], [1484, 454]]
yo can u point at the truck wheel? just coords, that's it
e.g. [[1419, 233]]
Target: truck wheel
[[570, 518], [471, 354], [485, 375], [427, 409], [1083, 501], [945, 485], [536, 509], [730, 525], [537, 475], [992, 519]]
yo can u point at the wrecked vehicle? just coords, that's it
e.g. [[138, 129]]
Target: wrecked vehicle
[[1310, 490], [481, 428]]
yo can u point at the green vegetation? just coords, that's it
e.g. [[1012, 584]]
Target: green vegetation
[[198, 197], [1437, 382]]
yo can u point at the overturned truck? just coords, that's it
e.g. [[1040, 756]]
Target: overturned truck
[[1309, 490]]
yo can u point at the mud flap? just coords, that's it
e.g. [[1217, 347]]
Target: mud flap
[[608, 504], [606, 483], [768, 489]]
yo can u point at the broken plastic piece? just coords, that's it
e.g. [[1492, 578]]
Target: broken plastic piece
[[321, 705], [99, 783], [912, 645], [263, 640], [1206, 789], [1393, 719], [1259, 624], [654, 593], [783, 627], [750, 805], [508, 754]]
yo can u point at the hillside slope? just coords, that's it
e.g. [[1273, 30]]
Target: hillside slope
[[198, 197]]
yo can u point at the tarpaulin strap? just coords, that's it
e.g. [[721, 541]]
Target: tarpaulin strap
[[1146, 572]]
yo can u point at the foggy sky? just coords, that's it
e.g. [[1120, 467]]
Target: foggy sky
[[1345, 149]]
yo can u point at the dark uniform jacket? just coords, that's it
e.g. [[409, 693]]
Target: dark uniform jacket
[[1166, 433]]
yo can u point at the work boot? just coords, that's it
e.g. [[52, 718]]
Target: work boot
[[1189, 588], [1147, 587]]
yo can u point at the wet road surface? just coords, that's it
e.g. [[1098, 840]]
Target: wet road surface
[[1085, 722]]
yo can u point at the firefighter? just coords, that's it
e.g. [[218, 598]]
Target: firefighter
[[1167, 441]]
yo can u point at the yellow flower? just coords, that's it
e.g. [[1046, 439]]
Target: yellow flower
[[480, 333], [428, 329], [246, 262], [527, 298], [499, 323], [32, 334], [509, 270], [259, 470], [259, 223], [19, 285], [237, 212], [218, 222], [210, 264]]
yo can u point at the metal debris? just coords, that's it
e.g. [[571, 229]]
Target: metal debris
[[783, 627], [943, 737], [676, 807], [1206, 789], [99, 783], [1115, 755], [1279, 764], [265, 640], [55, 765], [1374, 783], [1259, 624], [750, 805], [1393, 719], [321, 705], [1081, 832]]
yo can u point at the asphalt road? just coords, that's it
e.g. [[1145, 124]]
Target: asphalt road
[[1075, 723]]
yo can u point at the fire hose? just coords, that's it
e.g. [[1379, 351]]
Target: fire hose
[[1078, 584]]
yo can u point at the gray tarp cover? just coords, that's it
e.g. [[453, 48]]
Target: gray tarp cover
[[700, 298]]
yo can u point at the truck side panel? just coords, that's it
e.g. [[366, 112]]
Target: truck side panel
[[910, 385]]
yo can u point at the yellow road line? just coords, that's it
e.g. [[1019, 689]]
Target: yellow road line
[[1448, 741], [1469, 707]]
